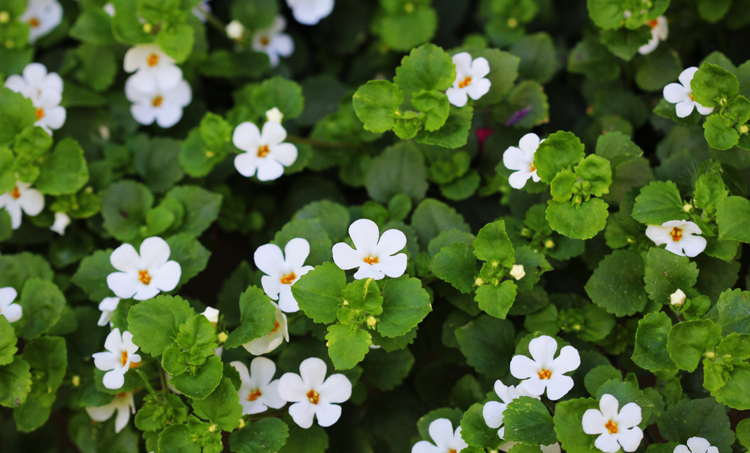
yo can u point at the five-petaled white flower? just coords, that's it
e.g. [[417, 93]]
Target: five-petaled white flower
[[258, 391], [282, 273], [545, 371], [313, 394], [682, 95], [12, 312], [264, 152], [19, 200], [143, 276], [374, 254], [470, 79], [271, 340], [696, 445], [154, 70], [310, 12], [123, 404], [61, 222], [615, 428], [679, 237], [108, 305], [119, 358], [521, 159], [273, 42], [42, 16], [162, 105], [212, 315], [45, 92], [659, 32], [446, 439]]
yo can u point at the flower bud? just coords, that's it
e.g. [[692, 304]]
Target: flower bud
[[4, 17], [549, 243], [235, 29], [517, 271], [371, 321], [212, 428], [76, 381], [677, 298], [147, 27], [687, 208], [242, 424], [743, 129], [275, 115], [223, 337], [479, 281]]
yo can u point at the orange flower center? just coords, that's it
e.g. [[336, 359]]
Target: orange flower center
[[692, 98], [275, 327], [611, 427], [34, 22], [532, 168], [254, 395], [15, 193], [544, 374], [157, 101], [264, 41], [152, 60], [124, 358], [452, 450], [464, 83], [676, 234], [371, 260], [652, 23], [144, 277], [288, 278], [313, 396], [39, 114], [263, 151]]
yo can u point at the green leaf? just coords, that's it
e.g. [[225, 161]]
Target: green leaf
[[455, 131], [267, 435], [347, 345], [659, 202], [688, 341], [156, 414], [711, 83], [525, 106], [456, 265], [376, 104], [713, 10], [607, 14], [628, 392], [617, 284], [474, 429], [255, 14], [333, 217], [176, 41], [559, 151], [720, 133], [594, 60], [91, 275], [743, 432], [155, 323], [567, 418], [735, 393], [15, 383], [432, 217], [666, 273], [284, 94], [697, 418], [709, 192], [48, 357], [527, 420], [578, 222], [504, 70], [488, 344], [318, 293], [156, 161], [598, 376], [189, 253], [125, 205], [493, 245], [624, 42], [400, 169], [650, 350], [733, 217], [42, 304], [257, 315], [64, 170], [222, 407], [496, 300], [177, 439], [313, 232], [597, 172], [734, 311], [538, 57], [405, 304], [16, 114], [203, 382], [387, 370], [16, 270], [534, 264], [434, 105], [8, 342], [93, 26], [311, 440]]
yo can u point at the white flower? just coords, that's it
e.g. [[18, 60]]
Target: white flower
[[108, 305], [275, 115], [21, 199], [164, 106], [123, 404], [493, 411], [12, 312], [212, 315], [696, 445], [310, 12], [682, 95], [153, 68], [121, 356], [109, 8], [61, 222], [679, 237], [235, 29], [374, 253], [517, 271], [42, 16], [45, 92], [615, 428], [470, 79], [271, 340], [265, 152], [521, 159], [258, 392], [313, 394], [273, 42], [143, 276], [446, 440], [546, 371], [677, 298], [202, 10], [659, 32], [282, 273]]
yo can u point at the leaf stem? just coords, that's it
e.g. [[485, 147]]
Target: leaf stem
[[267, 414], [148, 384], [318, 143]]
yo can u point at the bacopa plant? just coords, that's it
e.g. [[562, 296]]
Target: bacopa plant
[[374, 226]]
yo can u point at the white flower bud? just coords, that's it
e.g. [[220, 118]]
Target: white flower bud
[[235, 29], [275, 115], [517, 271], [677, 298]]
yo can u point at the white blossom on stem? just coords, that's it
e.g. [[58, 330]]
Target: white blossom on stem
[[146, 275], [123, 404], [119, 358], [446, 439], [258, 391], [521, 159], [659, 32], [271, 340], [313, 395], [682, 95], [373, 255], [43, 16], [62, 220], [679, 236], [108, 305], [615, 428], [160, 105], [212, 315], [545, 371], [265, 153], [282, 273], [310, 12], [696, 445], [273, 42], [12, 312], [154, 70], [19, 200], [470, 79]]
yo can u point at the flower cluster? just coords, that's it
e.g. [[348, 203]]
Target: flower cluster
[[45, 92]]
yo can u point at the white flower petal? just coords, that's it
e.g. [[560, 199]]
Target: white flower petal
[[124, 285], [542, 350], [365, 235], [684, 109], [607, 443], [273, 133], [313, 372], [493, 413], [392, 266], [269, 259], [292, 388], [296, 251], [336, 389], [114, 379], [629, 416], [630, 439], [457, 96], [568, 360], [284, 153], [302, 413], [441, 432], [516, 159], [704, 110], [522, 367], [287, 302], [246, 164], [246, 137], [687, 76], [346, 257], [425, 447], [558, 386], [698, 444], [12, 312], [269, 170], [478, 88], [32, 202], [262, 370], [327, 413], [167, 277], [675, 93]]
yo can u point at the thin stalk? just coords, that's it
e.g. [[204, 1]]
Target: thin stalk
[[148, 384], [318, 143]]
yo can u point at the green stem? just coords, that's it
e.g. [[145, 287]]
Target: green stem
[[216, 22], [318, 143], [148, 384], [267, 414]]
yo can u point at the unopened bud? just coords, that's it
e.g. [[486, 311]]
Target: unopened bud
[[147, 27], [687, 208], [275, 115], [710, 354], [744, 129], [242, 423], [409, 8], [371, 321], [479, 281], [235, 29], [223, 337], [549, 243], [4, 17], [212, 428], [104, 132], [526, 232], [512, 22], [517, 271], [76, 381], [495, 263], [677, 298]]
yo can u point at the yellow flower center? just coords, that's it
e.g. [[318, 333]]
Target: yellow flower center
[[124, 358], [544, 374], [532, 168], [15, 193], [288, 278], [676, 234], [157, 101], [313, 396], [264, 41], [144, 277], [371, 260], [611, 427], [39, 114], [275, 327], [652, 23], [464, 83], [34, 22], [263, 151], [152, 60], [254, 395]]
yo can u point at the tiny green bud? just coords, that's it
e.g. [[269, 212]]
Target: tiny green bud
[[212, 428], [479, 281], [223, 337], [549, 243], [744, 129], [687, 208], [147, 28], [512, 22], [526, 232], [710, 354], [76, 381], [242, 423], [371, 321], [4, 17], [495, 263], [409, 8]]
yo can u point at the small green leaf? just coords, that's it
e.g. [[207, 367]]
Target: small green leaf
[[733, 217], [688, 341], [456, 265], [567, 418], [427, 67], [267, 435], [578, 222], [155, 323], [434, 105], [493, 245], [496, 300], [734, 311], [697, 418], [400, 169], [650, 350], [347, 345], [666, 272], [474, 429], [617, 284], [405, 305], [42, 304], [202, 382], [376, 104], [257, 315], [15, 383], [561, 150], [711, 83], [318, 292], [222, 407], [8, 342], [659, 202], [527, 420], [488, 345]]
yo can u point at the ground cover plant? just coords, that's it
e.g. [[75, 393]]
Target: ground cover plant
[[427, 226]]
